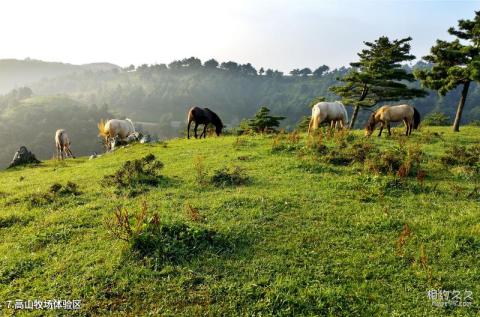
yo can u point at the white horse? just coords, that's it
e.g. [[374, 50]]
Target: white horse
[[62, 143], [333, 112], [116, 128]]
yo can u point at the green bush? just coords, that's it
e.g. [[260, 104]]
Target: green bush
[[229, 177], [436, 119]]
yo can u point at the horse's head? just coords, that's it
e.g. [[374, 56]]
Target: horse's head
[[218, 129], [370, 126]]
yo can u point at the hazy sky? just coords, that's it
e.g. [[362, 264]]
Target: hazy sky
[[281, 34]]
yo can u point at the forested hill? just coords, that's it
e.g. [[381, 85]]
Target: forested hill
[[157, 97], [17, 73], [162, 94]]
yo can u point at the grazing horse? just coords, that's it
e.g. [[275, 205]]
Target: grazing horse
[[115, 128], [62, 143], [333, 112], [203, 116], [387, 114]]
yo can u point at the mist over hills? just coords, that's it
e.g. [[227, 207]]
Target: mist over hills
[[16, 73], [157, 97]]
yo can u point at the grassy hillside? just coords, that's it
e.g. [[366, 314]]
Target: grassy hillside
[[307, 232]]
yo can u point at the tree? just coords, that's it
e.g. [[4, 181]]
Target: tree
[[263, 122], [248, 69], [211, 64], [320, 71], [295, 72], [378, 76], [261, 71], [230, 66], [455, 63], [316, 100], [305, 72]]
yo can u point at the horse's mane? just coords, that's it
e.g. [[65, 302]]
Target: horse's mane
[[371, 121], [215, 118], [133, 127]]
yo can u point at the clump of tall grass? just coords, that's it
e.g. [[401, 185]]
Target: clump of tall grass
[[160, 242], [54, 192], [233, 176], [134, 176]]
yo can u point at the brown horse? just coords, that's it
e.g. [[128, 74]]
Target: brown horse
[[386, 114], [203, 116]]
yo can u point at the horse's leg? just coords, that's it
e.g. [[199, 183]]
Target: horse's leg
[[388, 128], [204, 132], [310, 126], [188, 129], [381, 129], [195, 130], [70, 152], [407, 126]]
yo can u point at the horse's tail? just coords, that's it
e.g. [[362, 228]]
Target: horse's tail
[[103, 132], [131, 123], [59, 137], [190, 115], [416, 118], [315, 121]]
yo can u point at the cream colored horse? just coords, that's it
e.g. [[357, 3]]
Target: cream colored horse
[[333, 112], [115, 128], [62, 143], [386, 114]]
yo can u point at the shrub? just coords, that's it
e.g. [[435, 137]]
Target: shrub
[[461, 156], [436, 119], [8, 221], [134, 175], [229, 177], [400, 161], [54, 192], [263, 122], [303, 124]]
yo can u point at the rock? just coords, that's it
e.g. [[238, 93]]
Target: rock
[[146, 139], [133, 137], [94, 156], [23, 157]]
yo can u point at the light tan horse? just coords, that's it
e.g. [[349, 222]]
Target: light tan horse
[[332, 112], [115, 128], [386, 114], [62, 143]]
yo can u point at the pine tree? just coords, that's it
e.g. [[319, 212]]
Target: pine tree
[[263, 122], [455, 63], [378, 76]]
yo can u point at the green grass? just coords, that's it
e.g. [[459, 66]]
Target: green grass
[[301, 237]]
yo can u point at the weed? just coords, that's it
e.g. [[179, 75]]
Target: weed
[[286, 142], [193, 213], [402, 239], [461, 155], [200, 172]]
